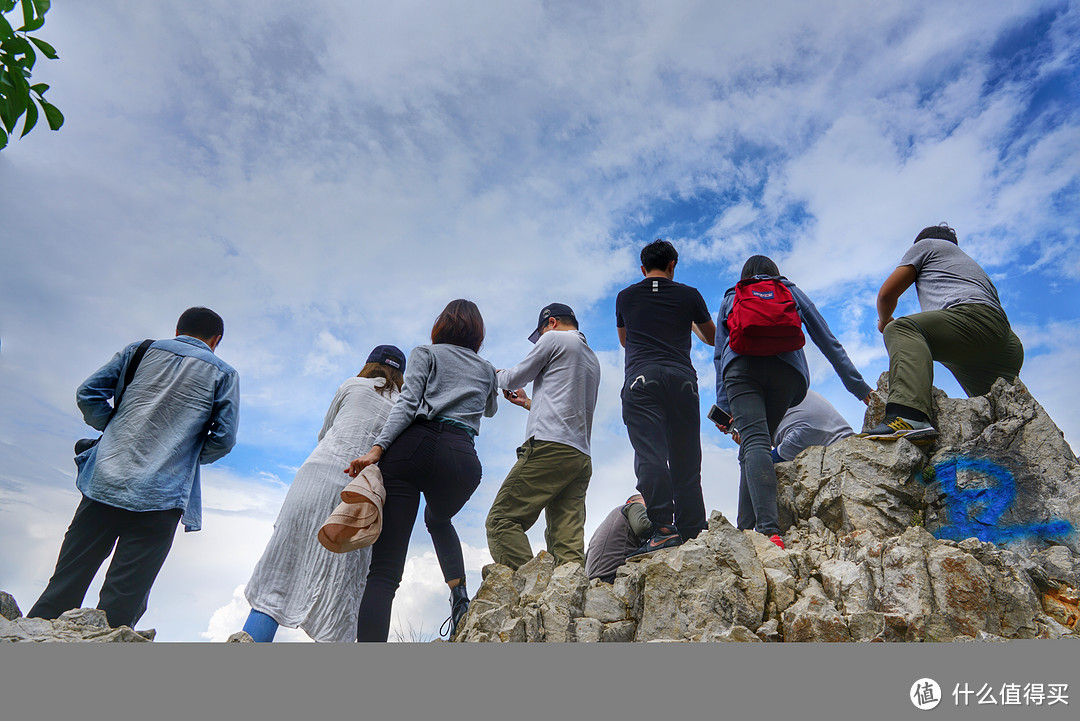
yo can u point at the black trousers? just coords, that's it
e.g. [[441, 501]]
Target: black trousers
[[142, 540], [663, 419], [435, 459]]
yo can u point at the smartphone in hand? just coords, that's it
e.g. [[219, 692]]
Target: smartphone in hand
[[719, 417]]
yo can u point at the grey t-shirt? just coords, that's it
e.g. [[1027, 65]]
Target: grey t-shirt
[[947, 276], [814, 422]]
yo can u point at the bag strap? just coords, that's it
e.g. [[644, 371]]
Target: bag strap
[[133, 365]]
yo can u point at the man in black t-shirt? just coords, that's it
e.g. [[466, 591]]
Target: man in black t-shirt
[[660, 404]]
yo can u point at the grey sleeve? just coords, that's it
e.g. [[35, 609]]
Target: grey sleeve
[[492, 404], [916, 255], [531, 365], [795, 440], [404, 410]]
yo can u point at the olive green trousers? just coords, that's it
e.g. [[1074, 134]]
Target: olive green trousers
[[549, 477]]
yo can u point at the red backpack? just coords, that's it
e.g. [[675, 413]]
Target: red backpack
[[764, 319]]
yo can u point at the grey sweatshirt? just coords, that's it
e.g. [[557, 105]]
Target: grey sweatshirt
[[443, 381], [814, 422], [566, 378]]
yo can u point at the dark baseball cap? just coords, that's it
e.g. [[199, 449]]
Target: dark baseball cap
[[389, 355], [551, 309]]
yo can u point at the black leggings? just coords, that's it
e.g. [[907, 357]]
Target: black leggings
[[435, 459]]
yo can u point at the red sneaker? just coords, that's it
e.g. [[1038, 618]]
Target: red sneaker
[[777, 540]]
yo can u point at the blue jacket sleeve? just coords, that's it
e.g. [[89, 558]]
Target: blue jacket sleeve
[[830, 347], [224, 419], [93, 395]]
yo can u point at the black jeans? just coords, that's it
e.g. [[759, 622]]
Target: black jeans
[[760, 391], [435, 459], [661, 411], [142, 540]]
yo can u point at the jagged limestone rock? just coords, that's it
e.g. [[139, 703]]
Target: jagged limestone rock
[[603, 604], [736, 634], [493, 605], [588, 630], [814, 618], [852, 485], [532, 578], [619, 632], [8, 608], [85, 617], [714, 577], [770, 631], [77, 625]]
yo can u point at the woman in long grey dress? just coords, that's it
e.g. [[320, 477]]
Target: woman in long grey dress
[[297, 583]]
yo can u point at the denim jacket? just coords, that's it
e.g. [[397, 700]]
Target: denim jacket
[[816, 327], [181, 410]]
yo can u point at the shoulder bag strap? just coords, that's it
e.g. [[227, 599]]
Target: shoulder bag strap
[[133, 365]]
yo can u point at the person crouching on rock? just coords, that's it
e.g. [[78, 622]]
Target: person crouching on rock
[[962, 326]]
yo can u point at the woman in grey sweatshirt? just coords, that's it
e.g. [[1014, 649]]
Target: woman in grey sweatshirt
[[426, 447]]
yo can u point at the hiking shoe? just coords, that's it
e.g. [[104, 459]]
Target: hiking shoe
[[894, 427], [778, 541], [662, 537], [459, 606]]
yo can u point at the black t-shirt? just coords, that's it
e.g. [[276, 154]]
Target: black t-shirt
[[657, 314]]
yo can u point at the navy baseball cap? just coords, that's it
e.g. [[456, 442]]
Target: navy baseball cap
[[389, 355], [552, 309]]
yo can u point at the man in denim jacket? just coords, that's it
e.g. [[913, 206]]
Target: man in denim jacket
[[142, 477]]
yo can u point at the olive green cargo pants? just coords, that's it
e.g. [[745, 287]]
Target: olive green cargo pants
[[974, 341], [550, 477]]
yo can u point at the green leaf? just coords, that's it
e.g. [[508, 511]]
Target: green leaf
[[32, 25], [6, 30], [47, 50], [40, 88], [42, 6], [31, 119], [53, 115]]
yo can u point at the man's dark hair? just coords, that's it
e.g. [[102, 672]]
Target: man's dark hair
[[567, 320], [201, 323], [758, 265], [657, 254], [942, 231], [459, 324]]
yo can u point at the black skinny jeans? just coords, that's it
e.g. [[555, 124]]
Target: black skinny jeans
[[435, 459], [760, 390]]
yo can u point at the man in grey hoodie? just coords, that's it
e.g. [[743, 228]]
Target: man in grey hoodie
[[554, 466]]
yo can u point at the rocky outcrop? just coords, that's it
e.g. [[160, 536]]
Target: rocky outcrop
[[80, 624], [973, 538]]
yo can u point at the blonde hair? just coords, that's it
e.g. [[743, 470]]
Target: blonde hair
[[393, 377]]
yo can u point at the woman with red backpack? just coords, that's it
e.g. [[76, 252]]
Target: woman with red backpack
[[761, 372]]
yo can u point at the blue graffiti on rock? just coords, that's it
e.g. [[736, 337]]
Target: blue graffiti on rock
[[977, 511]]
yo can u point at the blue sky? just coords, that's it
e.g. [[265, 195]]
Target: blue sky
[[328, 177]]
